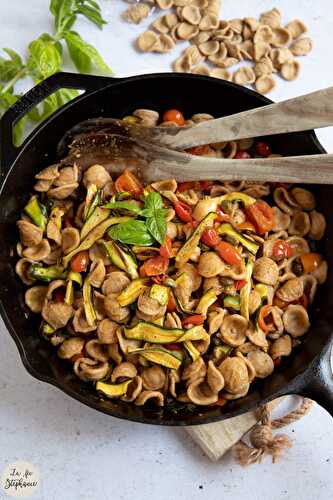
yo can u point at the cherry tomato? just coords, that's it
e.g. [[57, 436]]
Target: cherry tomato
[[155, 266], [59, 295], [264, 314], [246, 226], [128, 182], [228, 253], [196, 319], [263, 149], [242, 155], [281, 250], [166, 248], [239, 284], [261, 215], [183, 211], [173, 115], [210, 237], [205, 185], [173, 347], [310, 261], [199, 150], [171, 307], [220, 402], [221, 216], [80, 261]]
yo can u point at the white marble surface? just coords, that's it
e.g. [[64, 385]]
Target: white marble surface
[[82, 454]]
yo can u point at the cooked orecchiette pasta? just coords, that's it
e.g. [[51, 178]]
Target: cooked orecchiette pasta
[[191, 290]]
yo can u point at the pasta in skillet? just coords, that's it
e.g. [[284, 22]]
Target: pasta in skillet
[[171, 291]]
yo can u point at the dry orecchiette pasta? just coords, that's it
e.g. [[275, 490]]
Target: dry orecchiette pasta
[[190, 302]]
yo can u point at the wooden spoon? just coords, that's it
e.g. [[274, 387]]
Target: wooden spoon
[[156, 163], [314, 110]]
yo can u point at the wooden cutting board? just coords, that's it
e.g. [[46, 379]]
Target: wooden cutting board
[[218, 438]]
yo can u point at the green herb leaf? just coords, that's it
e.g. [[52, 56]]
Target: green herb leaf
[[64, 15], [123, 205], [10, 67], [44, 57], [93, 14], [132, 232], [157, 227], [156, 216], [83, 54], [51, 104]]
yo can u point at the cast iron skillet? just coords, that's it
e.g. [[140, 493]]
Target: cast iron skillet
[[307, 372]]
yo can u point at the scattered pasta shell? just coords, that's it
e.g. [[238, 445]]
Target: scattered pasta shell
[[201, 117], [296, 28], [225, 63], [290, 70], [209, 22], [174, 33], [246, 50], [281, 37], [160, 25], [247, 33], [219, 57], [202, 4], [236, 25], [179, 12], [191, 14], [213, 7], [236, 39], [165, 44], [263, 67], [265, 84], [244, 76], [170, 20], [201, 37], [209, 48], [182, 64], [181, 3], [280, 56], [136, 13], [264, 34], [252, 23], [202, 69], [222, 34], [260, 50], [271, 18], [234, 50], [165, 4], [195, 55], [186, 31], [224, 74], [147, 41], [301, 47]]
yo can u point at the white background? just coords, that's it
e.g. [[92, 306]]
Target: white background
[[82, 454]]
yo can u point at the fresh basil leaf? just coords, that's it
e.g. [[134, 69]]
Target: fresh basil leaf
[[92, 14], [64, 15], [132, 232], [10, 67], [44, 57], [124, 205], [157, 226], [153, 201], [83, 54], [93, 4]]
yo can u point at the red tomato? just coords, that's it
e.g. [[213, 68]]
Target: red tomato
[[263, 149], [59, 295], [221, 216], [199, 150], [196, 319], [171, 307], [281, 250], [128, 182], [166, 248], [80, 261], [261, 215], [210, 237], [155, 266], [239, 284], [220, 402], [183, 211], [310, 261], [173, 347], [246, 226], [242, 155], [159, 280], [173, 115], [264, 313], [228, 253], [205, 185]]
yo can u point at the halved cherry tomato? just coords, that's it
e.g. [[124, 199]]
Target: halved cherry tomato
[[199, 150], [239, 284], [166, 248], [173, 347], [228, 253], [277, 361], [128, 182], [173, 115], [196, 319], [171, 307], [263, 149], [221, 216], [246, 226], [264, 313], [281, 250], [310, 261], [80, 261], [205, 185], [155, 266], [183, 211], [261, 215], [59, 295], [242, 155], [210, 237]]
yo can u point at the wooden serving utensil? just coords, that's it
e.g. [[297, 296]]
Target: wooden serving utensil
[[314, 110], [156, 163]]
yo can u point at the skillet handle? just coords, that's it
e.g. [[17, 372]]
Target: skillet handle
[[320, 386], [89, 83]]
